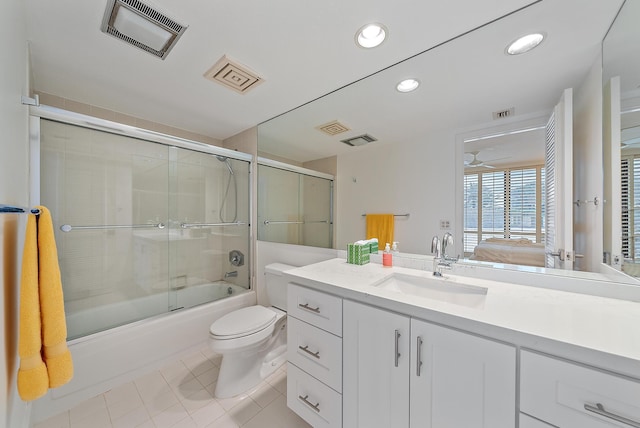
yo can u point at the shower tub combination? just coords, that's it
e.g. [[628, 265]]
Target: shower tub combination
[[153, 243]]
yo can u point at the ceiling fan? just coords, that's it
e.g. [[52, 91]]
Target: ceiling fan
[[475, 162]]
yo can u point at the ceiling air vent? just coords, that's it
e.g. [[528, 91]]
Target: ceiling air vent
[[233, 75], [333, 128], [360, 140], [139, 25], [503, 114]]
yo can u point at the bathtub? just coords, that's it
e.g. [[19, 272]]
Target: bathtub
[[93, 319], [119, 355]]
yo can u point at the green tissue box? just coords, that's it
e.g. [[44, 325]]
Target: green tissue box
[[358, 254]]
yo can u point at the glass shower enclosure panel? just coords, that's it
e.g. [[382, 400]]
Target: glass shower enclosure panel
[[278, 205], [209, 227], [317, 206], [108, 195], [143, 228], [294, 208]]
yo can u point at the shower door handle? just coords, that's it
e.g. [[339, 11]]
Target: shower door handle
[[197, 225]]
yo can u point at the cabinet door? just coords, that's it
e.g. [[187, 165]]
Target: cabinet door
[[375, 368], [463, 381]]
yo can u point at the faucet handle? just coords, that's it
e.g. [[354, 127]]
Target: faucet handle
[[435, 245], [447, 239]]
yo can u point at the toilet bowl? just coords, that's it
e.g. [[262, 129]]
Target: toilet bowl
[[252, 340]]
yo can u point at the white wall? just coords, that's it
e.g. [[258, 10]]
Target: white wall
[[588, 174], [14, 173], [415, 177]]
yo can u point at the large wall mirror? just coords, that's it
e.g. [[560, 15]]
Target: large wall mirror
[[476, 109], [621, 79]]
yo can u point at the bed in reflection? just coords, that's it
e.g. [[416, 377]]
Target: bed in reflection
[[520, 251]]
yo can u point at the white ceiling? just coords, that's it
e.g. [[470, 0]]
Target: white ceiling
[[303, 49]]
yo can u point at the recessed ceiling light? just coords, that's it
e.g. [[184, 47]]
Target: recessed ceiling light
[[524, 44], [408, 85], [371, 35]]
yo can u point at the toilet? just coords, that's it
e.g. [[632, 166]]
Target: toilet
[[252, 340]]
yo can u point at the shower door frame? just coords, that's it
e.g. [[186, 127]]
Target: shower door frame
[[36, 113]]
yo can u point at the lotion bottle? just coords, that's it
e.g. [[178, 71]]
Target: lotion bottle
[[386, 256]]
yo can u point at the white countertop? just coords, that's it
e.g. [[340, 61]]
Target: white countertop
[[591, 323]]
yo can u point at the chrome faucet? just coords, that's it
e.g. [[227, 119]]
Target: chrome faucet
[[231, 274], [440, 259]]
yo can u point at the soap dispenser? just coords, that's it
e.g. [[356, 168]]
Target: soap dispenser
[[386, 256], [394, 247]]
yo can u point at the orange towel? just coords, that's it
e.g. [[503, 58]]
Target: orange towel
[[380, 226], [42, 318]]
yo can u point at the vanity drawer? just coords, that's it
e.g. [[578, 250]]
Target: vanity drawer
[[317, 308], [312, 400], [315, 351], [568, 395]]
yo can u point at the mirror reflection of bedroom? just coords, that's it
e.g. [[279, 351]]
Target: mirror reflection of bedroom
[[504, 198]]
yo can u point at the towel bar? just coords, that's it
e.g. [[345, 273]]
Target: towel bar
[[11, 209], [395, 215]]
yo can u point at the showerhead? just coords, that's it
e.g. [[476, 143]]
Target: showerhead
[[226, 161]]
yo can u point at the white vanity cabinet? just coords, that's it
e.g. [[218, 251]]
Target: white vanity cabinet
[[314, 354], [375, 388], [567, 395], [403, 372], [460, 380]]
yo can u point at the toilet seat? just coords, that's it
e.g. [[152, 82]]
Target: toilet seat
[[242, 322]]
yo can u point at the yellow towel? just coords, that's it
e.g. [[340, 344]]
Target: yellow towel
[[380, 226], [42, 318]]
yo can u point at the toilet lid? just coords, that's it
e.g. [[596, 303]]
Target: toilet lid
[[242, 322]]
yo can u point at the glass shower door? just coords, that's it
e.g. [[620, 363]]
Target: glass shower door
[[108, 197], [317, 207], [208, 227], [294, 208]]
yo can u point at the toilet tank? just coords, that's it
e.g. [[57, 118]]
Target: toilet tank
[[276, 284]]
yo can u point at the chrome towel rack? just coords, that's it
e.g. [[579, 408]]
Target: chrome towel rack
[[395, 215], [69, 228], [12, 209]]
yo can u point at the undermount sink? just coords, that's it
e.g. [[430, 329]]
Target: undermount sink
[[444, 289]]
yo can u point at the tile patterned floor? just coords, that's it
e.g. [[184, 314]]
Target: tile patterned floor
[[180, 395]]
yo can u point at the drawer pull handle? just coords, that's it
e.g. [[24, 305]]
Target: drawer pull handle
[[397, 351], [599, 410], [306, 349], [315, 407], [418, 355], [309, 308]]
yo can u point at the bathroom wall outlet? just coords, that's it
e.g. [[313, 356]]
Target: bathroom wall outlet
[[445, 225]]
